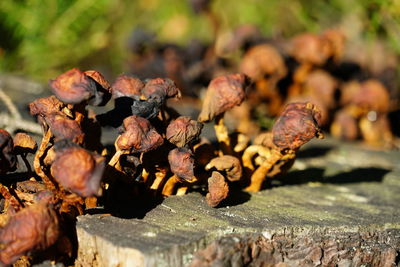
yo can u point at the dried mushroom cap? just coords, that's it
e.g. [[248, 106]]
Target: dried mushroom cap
[[373, 96], [99, 78], [183, 130], [160, 88], [322, 86], [139, 135], [218, 189], [24, 143], [33, 228], [45, 105], [102, 94], [8, 160], [297, 125], [147, 109], [181, 161], [311, 48], [336, 39], [223, 93], [78, 170], [64, 128], [263, 60], [229, 164], [127, 86], [73, 87]]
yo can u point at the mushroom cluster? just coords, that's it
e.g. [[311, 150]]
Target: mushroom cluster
[[157, 151]]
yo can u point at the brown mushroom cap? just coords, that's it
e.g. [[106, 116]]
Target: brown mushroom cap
[[160, 89], [78, 170], [102, 94], [73, 87], [297, 125], [183, 130], [8, 160], [181, 162], [373, 96], [64, 128], [99, 78], [45, 105], [336, 40], [24, 143], [344, 125], [223, 93], [229, 164], [33, 228], [218, 189], [321, 85], [127, 86], [263, 60], [139, 135], [311, 48]]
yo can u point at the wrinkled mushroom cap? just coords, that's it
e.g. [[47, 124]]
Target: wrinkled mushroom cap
[[102, 94], [8, 160], [33, 228], [64, 128], [373, 96], [263, 60], [228, 164], [223, 93], [160, 89], [24, 143], [297, 125], [218, 189], [321, 85], [45, 105], [78, 170], [310, 48], [183, 130], [127, 86], [181, 161], [73, 87], [138, 136]]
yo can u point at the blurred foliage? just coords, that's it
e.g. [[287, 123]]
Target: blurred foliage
[[40, 38]]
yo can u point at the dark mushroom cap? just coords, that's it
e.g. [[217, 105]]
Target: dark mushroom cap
[[298, 124], [183, 130], [78, 170], [73, 87], [223, 93], [127, 86], [138, 136], [145, 108], [218, 189], [228, 164], [64, 128], [102, 94], [160, 89], [181, 161], [45, 105], [263, 60], [311, 48], [33, 228], [24, 143], [8, 160]]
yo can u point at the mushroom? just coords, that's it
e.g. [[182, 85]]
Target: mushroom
[[183, 131], [24, 144], [64, 128], [77, 169], [127, 86], [223, 93], [218, 189], [230, 165], [33, 228], [181, 162], [297, 125]]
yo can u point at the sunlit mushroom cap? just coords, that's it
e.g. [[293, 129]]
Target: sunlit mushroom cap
[[218, 189], [77, 169], [181, 161], [160, 89], [228, 164], [24, 143], [223, 93], [127, 86], [73, 87], [263, 60], [102, 94], [138, 136], [33, 228], [311, 48], [45, 105], [183, 130], [373, 96], [297, 125], [321, 85], [8, 160], [64, 128]]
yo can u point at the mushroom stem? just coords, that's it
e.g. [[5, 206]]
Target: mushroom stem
[[14, 202], [182, 190], [170, 185], [221, 131], [37, 164], [114, 161], [159, 177], [250, 152]]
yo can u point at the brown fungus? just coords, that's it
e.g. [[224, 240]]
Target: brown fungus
[[127, 86], [78, 169], [218, 189], [228, 164], [160, 89], [183, 131], [102, 93], [64, 128], [33, 228]]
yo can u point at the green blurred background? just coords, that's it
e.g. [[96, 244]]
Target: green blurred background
[[41, 38]]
